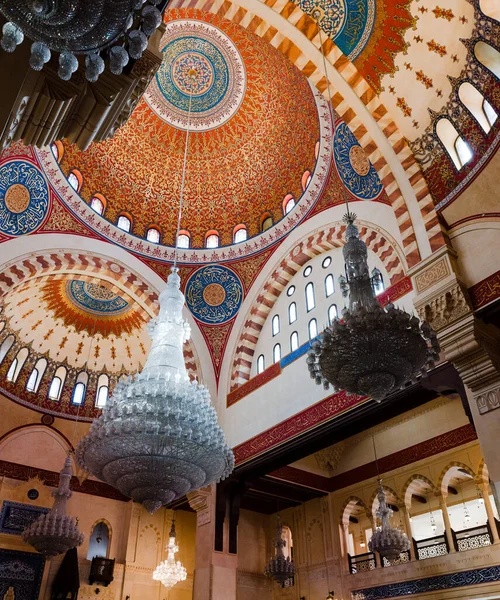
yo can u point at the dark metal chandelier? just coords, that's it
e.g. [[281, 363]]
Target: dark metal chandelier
[[55, 532], [116, 29], [372, 351], [388, 541], [281, 569], [158, 437]]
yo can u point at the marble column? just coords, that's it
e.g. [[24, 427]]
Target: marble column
[[447, 524], [485, 490], [214, 572]]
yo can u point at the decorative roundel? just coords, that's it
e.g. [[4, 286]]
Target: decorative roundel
[[33, 494], [95, 298], [355, 170], [201, 68], [24, 198], [214, 294]]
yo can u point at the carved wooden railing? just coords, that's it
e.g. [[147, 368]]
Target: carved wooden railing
[[362, 562], [472, 538], [431, 547], [403, 558]]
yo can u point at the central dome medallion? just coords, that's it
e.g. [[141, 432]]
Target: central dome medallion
[[199, 62]]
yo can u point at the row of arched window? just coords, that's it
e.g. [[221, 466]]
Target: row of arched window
[[457, 147], [58, 380], [153, 233]]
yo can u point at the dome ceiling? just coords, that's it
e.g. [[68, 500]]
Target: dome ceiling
[[255, 122]]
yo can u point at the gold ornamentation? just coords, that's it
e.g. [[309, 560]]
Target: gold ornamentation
[[436, 272], [446, 308], [214, 294], [17, 198], [359, 160]]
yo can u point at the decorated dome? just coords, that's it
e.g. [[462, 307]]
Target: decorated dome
[[255, 128]]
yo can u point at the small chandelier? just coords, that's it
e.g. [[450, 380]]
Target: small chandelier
[[372, 351], [281, 569], [388, 541], [170, 572], [55, 532], [117, 30]]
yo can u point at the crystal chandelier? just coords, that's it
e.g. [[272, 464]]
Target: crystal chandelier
[[372, 351], [55, 532], [388, 541], [116, 29], [158, 437], [170, 572], [281, 569]]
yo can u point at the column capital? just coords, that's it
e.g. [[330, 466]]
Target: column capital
[[201, 502]]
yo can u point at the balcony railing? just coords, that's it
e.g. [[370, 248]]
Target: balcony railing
[[431, 547], [474, 537], [362, 562], [404, 557]]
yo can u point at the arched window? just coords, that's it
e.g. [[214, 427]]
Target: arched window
[[332, 313], [97, 204], [313, 329], [488, 56], [57, 383], [290, 290], [307, 271], [327, 261], [310, 300], [277, 353], [477, 104], [306, 179], [75, 180], [286, 535], [294, 341], [80, 388], [6, 346], [102, 391], [239, 234], [212, 240], [183, 239], [12, 370], [153, 235], [490, 8], [55, 151], [316, 150], [261, 365], [36, 375], [288, 203], [124, 223], [99, 541], [17, 365], [276, 324], [456, 146], [378, 279], [292, 313], [266, 221], [329, 285]]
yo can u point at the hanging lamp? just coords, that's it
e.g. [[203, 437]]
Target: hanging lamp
[[281, 569], [388, 541], [55, 532], [158, 437], [170, 572], [373, 350]]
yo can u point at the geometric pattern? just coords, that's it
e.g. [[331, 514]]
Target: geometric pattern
[[214, 294], [24, 198], [304, 251], [429, 584], [315, 72], [216, 91], [15, 516], [22, 571]]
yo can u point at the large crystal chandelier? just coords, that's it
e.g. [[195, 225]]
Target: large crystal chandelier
[[97, 29], [170, 572], [388, 541], [158, 437], [55, 532], [372, 351], [281, 569]]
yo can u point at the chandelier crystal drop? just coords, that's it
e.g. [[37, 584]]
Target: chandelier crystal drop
[[373, 350], [170, 572], [55, 532], [116, 29], [388, 541], [158, 437], [281, 569]]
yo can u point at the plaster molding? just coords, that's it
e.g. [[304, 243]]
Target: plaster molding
[[201, 502]]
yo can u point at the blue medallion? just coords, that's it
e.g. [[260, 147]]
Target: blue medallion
[[353, 166], [214, 294], [95, 299], [24, 198]]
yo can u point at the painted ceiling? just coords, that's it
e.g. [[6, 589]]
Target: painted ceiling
[[255, 124]]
